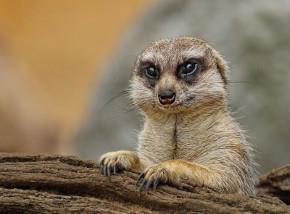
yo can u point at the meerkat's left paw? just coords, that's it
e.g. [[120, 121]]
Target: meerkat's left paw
[[153, 176], [115, 162]]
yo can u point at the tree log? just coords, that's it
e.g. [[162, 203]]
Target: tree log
[[276, 183], [58, 184]]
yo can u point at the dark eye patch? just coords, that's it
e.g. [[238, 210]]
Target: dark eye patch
[[150, 71], [188, 70]]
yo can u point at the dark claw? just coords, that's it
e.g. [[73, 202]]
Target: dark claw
[[102, 169], [102, 166], [140, 178], [156, 182], [142, 185], [112, 170], [148, 185], [105, 170], [102, 162], [108, 171]]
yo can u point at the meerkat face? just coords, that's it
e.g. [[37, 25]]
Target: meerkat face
[[178, 75]]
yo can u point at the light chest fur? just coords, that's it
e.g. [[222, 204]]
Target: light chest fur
[[192, 137]]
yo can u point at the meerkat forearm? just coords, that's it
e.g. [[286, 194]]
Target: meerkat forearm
[[182, 169], [197, 173], [176, 171]]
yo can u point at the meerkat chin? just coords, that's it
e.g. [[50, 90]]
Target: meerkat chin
[[180, 86]]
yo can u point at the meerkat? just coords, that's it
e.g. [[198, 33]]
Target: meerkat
[[180, 86]]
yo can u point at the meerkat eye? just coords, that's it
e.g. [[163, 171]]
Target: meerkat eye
[[151, 72], [188, 68]]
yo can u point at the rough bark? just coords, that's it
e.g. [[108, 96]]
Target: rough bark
[[57, 184], [276, 183]]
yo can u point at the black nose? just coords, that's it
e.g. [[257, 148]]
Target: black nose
[[166, 97]]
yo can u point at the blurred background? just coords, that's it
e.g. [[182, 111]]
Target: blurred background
[[64, 65]]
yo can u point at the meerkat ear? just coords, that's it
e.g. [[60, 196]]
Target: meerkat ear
[[222, 66]]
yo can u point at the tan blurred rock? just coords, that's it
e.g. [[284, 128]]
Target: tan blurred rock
[[56, 47], [23, 127]]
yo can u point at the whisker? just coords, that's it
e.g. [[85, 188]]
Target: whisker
[[118, 95], [132, 106]]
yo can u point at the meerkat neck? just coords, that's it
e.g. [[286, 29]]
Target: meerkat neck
[[209, 111], [198, 122], [169, 133]]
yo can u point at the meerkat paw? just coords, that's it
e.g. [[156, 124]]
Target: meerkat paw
[[115, 162], [155, 175]]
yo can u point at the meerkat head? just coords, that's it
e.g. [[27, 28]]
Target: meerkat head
[[181, 74]]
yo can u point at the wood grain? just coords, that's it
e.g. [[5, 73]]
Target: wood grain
[[59, 184]]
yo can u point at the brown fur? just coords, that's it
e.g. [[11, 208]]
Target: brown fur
[[195, 137]]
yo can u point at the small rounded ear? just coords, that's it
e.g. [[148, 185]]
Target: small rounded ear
[[221, 66]]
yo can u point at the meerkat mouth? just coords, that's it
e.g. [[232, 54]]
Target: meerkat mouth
[[177, 106], [172, 106]]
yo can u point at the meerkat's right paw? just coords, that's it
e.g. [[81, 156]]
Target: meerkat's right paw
[[114, 162]]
